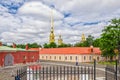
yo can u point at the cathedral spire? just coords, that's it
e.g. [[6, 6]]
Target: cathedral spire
[[60, 41], [52, 36], [83, 38]]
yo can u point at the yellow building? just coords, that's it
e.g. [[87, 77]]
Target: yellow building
[[70, 54]]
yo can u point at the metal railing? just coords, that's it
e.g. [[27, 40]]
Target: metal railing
[[112, 72], [55, 73]]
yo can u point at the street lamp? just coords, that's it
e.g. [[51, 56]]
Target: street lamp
[[93, 56], [91, 47], [118, 51]]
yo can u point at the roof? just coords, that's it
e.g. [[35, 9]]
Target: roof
[[5, 48], [69, 50]]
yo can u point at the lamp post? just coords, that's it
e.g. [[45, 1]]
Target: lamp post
[[93, 57], [118, 51], [91, 47], [76, 61], [118, 43]]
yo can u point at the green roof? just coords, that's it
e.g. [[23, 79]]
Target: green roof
[[5, 48]]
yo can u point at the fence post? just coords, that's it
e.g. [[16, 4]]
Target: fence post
[[94, 69], [116, 63], [106, 73]]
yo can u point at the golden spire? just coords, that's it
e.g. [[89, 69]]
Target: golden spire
[[83, 38], [60, 41], [52, 36]]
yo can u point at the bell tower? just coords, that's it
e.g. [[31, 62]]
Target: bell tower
[[60, 41], [52, 36], [83, 38]]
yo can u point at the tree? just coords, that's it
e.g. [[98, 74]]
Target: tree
[[89, 41], [110, 38], [97, 42], [34, 45], [64, 45], [45, 45], [52, 45]]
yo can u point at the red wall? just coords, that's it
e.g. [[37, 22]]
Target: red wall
[[19, 56]]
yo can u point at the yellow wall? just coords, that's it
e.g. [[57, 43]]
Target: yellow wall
[[69, 57]]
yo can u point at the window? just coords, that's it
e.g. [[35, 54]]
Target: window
[[32, 57], [66, 58], [42, 56], [70, 57], [59, 57], [84, 58], [90, 57], [46, 57], [50, 57], [55, 57], [76, 57], [24, 57], [98, 58]]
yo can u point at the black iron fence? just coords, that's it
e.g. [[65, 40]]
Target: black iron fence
[[21, 74], [112, 72], [55, 73]]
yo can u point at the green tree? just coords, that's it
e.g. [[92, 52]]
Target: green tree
[[52, 45], [34, 45], [110, 38], [97, 42], [45, 45], [64, 45], [89, 40]]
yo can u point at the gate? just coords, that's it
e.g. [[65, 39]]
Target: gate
[[9, 60]]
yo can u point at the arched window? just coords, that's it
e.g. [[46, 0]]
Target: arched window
[[90, 57], [70, 57], [59, 57], [42, 57], [65, 57], [24, 57], [50, 57], [55, 57], [98, 58], [84, 58]]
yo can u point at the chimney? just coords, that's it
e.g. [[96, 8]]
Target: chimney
[[14, 45], [0, 43], [91, 48], [27, 47]]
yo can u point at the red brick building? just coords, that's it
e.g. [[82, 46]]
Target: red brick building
[[10, 56]]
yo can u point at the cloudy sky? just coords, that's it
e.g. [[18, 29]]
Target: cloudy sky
[[28, 21]]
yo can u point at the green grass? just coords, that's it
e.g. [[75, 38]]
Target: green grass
[[107, 63]]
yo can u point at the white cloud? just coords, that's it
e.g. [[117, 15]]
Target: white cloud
[[31, 23], [39, 10]]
